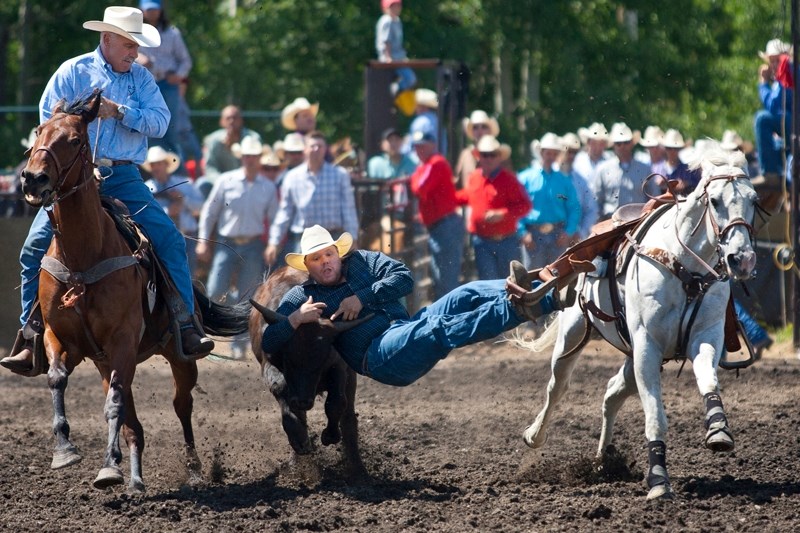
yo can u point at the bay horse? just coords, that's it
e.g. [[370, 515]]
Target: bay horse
[[111, 320], [672, 290]]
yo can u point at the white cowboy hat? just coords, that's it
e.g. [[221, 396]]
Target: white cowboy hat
[[595, 131], [730, 140], [314, 239], [128, 22], [775, 47], [270, 160], [27, 143], [291, 110], [621, 133], [157, 154], [480, 117], [489, 143], [652, 137], [249, 146], [294, 142], [673, 139], [427, 98], [571, 141], [549, 141]]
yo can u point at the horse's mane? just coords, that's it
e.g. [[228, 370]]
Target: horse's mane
[[714, 156], [80, 105]]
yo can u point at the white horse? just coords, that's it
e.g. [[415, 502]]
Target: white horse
[[672, 293]]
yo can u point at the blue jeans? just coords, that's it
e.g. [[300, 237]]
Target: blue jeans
[[492, 257], [407, 79], [124, 183], [446, 244], [770, 150], [755, 333], [229, 257], [170, 141], [472, 313]]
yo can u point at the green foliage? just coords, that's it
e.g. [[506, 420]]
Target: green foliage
[[689, 64]]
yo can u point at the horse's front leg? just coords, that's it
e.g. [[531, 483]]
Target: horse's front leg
[[571, 327], [719, 437], [110, 474], [647, 369], [65, 453]]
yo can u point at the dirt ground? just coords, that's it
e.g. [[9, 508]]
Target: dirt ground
[[445, 454]]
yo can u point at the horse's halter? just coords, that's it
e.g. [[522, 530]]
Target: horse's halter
[[718, 233], [63, 174]]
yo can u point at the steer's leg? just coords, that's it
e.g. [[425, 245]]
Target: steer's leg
[[335, 404], [349, 426]]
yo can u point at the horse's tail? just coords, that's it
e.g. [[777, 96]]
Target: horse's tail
[[545, 341], [222, 320]]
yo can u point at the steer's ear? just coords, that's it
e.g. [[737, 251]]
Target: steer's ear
[[342, 326], [269, 315]]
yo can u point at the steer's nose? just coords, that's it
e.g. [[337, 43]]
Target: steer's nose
[[301, 404]]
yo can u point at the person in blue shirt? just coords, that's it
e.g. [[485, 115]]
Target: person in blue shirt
[[392, 163], [390, 347], [552, 224], [773, 123], [132, 109]]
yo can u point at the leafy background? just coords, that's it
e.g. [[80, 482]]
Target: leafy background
[[539, 65]]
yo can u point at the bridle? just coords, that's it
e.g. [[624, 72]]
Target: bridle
[[62, 173]]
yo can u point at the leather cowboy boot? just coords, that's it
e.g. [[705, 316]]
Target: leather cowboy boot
[[21, 358], [524, 295], [195, 345]]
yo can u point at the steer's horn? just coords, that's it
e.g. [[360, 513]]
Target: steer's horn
[[343, 326], [269, 315]]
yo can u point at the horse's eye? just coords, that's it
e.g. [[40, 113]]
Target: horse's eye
[[75, 142], [715, 202]]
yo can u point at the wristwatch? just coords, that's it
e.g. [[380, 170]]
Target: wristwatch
[[121, 109]]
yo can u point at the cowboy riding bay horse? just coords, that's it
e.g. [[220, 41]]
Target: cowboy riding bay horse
[[664, 295], [97, 297]]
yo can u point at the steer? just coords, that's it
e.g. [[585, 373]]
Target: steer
[[306, 366]]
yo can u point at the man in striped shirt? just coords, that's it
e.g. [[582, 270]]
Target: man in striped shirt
[[315, 192], [390, 347]]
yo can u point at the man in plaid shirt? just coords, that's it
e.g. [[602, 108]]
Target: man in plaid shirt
[[315, 192], [390, 347]]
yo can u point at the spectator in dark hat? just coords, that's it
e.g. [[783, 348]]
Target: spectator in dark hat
[[392, 163]]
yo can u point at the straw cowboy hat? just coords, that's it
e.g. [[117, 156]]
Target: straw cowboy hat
[[730, 140], [249, 146], [270, 159], [291, 110], [28, 142], [427, 98], [489, 144], [549, 141], [652, 137], [128, 22], [621, 133], [571, 141], [314, 239], [480, 117], [595, 131], [673, 139], [775, 47], [156, 154]]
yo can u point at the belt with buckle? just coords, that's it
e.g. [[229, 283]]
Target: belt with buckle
[[103, 162], [545, 229], [240, 241]]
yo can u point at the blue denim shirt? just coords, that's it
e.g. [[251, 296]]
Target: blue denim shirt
[[146, 113], [379, 282], [554, 199]]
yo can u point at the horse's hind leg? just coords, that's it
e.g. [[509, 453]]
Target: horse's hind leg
[[65, 453], [572, 327], [184, 374], [114, 410], [134, 438], [620, 388], [719, 437]]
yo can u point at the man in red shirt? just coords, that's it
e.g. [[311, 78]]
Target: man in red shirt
[[497, 201], [432, 184]]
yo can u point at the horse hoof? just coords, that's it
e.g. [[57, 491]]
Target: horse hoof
[[330, 437], [64, 458], [719, 440], [534, 438], [135, 487], [108, 477], [661, 492]]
